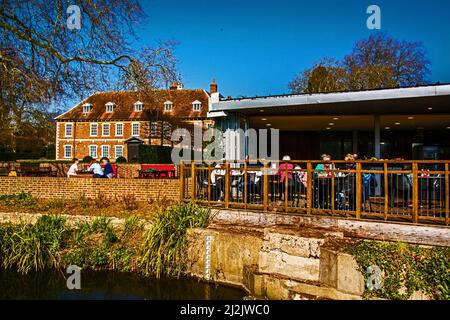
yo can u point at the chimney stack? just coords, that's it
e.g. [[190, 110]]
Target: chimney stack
[[176, 86], [213, 87]]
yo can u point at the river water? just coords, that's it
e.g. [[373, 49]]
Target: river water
[[110, 285]]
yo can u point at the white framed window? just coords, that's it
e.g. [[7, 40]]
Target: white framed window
[[109, 107], [118, 151], [87, 107], [68, 129], [105, 129], [105, 151], [94, 130], [196, 105], [138, 106], [68, 151], [153, 128], [135, 128], [168, 106], [166, 126], [119, 129], [93, 151]]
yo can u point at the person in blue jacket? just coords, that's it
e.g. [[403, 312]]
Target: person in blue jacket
[[108, 171]]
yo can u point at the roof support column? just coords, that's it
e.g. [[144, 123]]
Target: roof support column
[[355, 141], [377, 151]]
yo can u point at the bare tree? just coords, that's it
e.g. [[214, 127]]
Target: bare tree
[[382, 62], [377, 62], [43, 61]]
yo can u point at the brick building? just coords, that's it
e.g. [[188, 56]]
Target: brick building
[[108, 123]]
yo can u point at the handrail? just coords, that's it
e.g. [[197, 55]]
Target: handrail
[[389, 190]]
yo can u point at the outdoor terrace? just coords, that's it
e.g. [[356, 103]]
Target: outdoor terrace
[[403, 191]]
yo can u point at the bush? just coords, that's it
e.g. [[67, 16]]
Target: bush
[[87, 159], [155, 154], [164, 249], [121, 160]]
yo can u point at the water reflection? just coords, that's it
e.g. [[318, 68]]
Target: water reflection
[[109, 285]]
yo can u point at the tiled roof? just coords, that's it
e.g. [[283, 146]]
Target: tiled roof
[[153, 102]]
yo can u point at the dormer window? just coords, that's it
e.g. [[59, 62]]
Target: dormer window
[[138, 106], [109, 107], [168, 106], [87, 107], [197, 105]]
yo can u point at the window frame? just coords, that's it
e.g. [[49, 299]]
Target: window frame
[[117, 124], [104, 125], [109, 105], [136, 104], [168, 103], [88, 106], [71, 129], [71, 151], [197, 103], [153, 125], [90, 130], [115, 151], [102, 153], [132, 129], [96, 151]]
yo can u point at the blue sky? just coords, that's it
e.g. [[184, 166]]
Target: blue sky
[[256, 47]]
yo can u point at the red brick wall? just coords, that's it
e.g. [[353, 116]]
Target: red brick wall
[[47, 188], [81, 138]]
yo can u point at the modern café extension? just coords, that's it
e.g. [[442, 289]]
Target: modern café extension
[[401, 137]]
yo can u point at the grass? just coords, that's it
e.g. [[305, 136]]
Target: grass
[[120, 207], [33, 247], [96, 245], [164, 249]]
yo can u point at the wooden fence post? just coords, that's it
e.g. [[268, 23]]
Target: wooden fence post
[[181, 175], [415, 173], [447, 194], [227, 184], [266, 186], [386, 191], [193, 182], [286, 188], [309, 186], [359, 187]]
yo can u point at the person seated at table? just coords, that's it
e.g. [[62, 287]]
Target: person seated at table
[[108, 171], [73, 168], [323, 184], [347, 192], [96, 169], [218, 182], [254, 181], [283, 175], [323, 170]]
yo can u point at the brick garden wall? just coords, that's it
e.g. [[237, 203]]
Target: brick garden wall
[[124, 170], [47, 188]]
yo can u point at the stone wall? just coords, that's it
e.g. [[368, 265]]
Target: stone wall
[[275, 263], [47, 188]]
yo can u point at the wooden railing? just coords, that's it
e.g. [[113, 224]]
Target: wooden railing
[[409, 191]]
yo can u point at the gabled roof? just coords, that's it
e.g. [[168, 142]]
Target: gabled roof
[[124, 102]]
